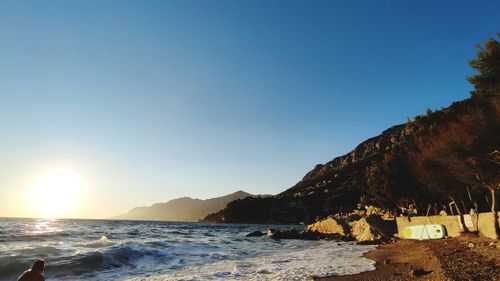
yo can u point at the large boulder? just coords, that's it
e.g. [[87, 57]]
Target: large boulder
[[329, 226], [372, 228], [385, 227], [362, 231]]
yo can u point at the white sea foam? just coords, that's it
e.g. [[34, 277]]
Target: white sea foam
[[321, 259], [101, 242]]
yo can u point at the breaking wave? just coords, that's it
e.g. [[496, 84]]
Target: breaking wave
[[107, 250]]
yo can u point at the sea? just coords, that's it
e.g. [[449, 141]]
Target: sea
[[152, 250]]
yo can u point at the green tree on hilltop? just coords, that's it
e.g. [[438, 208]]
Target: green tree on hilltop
[[487, 63]]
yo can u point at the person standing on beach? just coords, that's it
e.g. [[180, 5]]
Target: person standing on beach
[[35, 273]]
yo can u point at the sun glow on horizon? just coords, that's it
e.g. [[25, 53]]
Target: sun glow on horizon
[[55, 193]]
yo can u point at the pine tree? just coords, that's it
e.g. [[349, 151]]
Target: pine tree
[[487, 63]]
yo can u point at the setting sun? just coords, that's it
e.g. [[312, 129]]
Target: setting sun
[[55, 193]]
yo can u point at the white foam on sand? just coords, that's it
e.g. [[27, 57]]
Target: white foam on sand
[[321, 259]]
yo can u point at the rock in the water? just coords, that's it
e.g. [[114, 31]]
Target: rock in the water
[[329, 226], [294, 234], [274, 233], [278, 234], [368, 242], [255, 234], [271, 232]]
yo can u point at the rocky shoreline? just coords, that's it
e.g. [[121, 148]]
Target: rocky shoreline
[[370, 225], [468, 257]]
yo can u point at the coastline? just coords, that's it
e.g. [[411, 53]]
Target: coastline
[[467, 257]]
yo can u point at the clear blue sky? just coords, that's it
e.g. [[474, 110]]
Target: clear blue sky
[[153, 100]]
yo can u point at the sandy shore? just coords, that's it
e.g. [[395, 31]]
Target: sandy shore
[[464, 258]]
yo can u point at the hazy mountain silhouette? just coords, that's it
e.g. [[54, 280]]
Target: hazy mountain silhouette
[[182, 209]]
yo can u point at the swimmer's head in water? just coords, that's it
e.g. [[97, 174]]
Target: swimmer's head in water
[[38, 266]]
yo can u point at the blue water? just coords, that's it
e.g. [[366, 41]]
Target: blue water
[[132, 250]]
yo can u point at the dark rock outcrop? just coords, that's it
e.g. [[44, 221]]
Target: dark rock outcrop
[[305, 235], [361, 156], [255, 234]]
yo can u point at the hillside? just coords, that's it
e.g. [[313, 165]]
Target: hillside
[[412, 161], [448, 156], [182, 209]]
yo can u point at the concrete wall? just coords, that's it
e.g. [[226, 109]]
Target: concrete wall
[[452, 224], [486, 226]]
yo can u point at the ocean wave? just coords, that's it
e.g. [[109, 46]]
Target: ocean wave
[[101, 256], [162, 244], [48, 236], [320, 260], [101, 242], [127, 255], [114, 250], [42, 250]]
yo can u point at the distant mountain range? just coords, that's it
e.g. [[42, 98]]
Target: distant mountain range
[[182, 209]]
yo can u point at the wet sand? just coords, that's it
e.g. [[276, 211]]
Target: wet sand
[[464, 258]]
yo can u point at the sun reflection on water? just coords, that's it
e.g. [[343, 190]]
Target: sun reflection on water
[[44, 226]]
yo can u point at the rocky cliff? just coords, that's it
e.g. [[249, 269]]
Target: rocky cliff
[[325, 176], [364, 152], [405, 162]]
